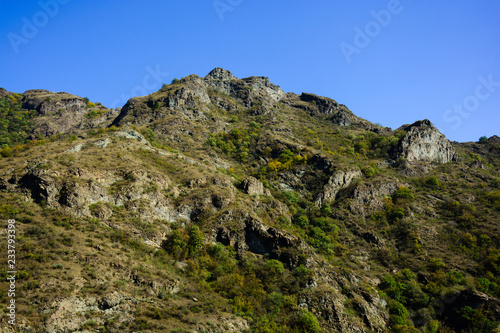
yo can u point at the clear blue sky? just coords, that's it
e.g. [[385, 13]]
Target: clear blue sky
[[417, 61]]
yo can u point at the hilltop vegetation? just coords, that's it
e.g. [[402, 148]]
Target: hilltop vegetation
[[222, 204]]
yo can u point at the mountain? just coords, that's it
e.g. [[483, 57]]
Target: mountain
[[221, 204]]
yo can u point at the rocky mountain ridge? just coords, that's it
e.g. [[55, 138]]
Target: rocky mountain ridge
[[287, 211]]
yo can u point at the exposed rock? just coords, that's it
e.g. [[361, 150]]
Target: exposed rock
[[252, 186], [220, 74], [249, 90], [131, 134], [369, 196], [68, 314], [494, 139], [4, 93], [337, 113], [477, 165], [256, 237], [225, 324], [63, 113], [330, 307], [340, 179], [424, 142], [188, 97], [326, 106]]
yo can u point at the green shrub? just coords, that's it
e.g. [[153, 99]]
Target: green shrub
[[307, 322], [195, 242], [302, 221], [369, 171], [477, 320], [403, 193], [432, 181]]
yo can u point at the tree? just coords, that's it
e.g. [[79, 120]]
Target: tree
[[483, 139], [195, 242]]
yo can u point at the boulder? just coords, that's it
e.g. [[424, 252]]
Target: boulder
[[340, 179], [424, 142], [252, 186]]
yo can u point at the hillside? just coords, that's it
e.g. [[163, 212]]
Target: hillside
[[221, 204]]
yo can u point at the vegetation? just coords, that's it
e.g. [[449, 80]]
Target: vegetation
[[15, 122]]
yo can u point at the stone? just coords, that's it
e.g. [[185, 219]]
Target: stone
[[220, 74], [252, 186], [424, 142], [340, 179]]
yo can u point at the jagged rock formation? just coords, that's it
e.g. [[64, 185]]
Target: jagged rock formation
[[424, 142], [63, 113], [340, 179], [252, 186]]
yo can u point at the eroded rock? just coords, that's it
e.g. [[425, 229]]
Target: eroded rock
[[424, 142]]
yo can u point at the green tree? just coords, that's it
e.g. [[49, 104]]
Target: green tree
[[195, 242]]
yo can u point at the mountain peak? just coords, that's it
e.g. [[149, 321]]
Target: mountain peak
[[220, 74]]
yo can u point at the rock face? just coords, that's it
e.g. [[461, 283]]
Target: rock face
[[424, 142], [368, 198], [329, 109], [248, 90], [3, 92], [326, 106], [494, 139], [188, 97], [340, 179], [220, 74], [252, 186], [63, 113]]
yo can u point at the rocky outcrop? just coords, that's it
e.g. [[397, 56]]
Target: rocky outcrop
[[4, 93], [340, 179], [250, 91], [252, 186], [63, 113], [331, 307], [326, 106], [494, 139], [220, 74], [336, 113], [187, 97], [255, 237], [68, 314], [368, 197], [424, 142]]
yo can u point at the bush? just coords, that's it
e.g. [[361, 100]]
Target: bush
[[403, 193], [308, 323], [432, 181], [369, 171], [302, 221]]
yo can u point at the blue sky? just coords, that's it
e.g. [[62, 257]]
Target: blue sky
[[391, 62]]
